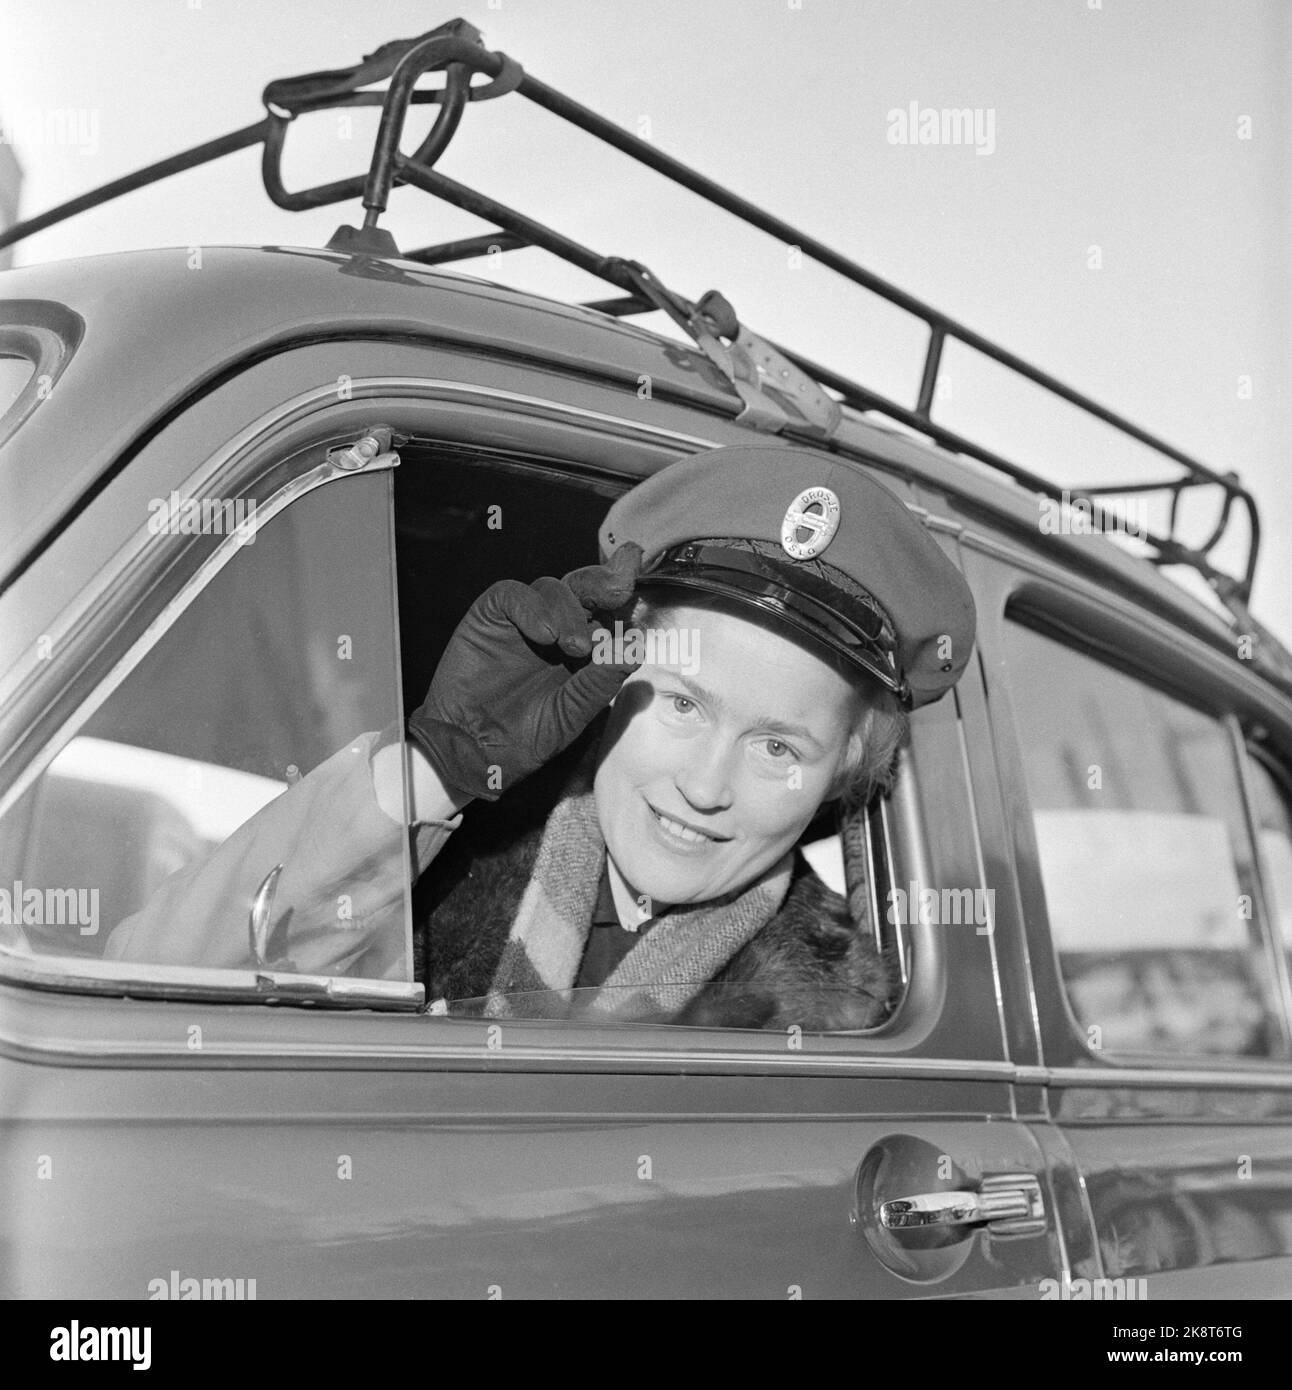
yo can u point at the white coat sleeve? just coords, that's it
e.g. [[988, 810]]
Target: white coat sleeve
[[339, 908]]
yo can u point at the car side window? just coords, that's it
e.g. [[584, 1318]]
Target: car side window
[[464, 520], [1147, 864], [271, 683]]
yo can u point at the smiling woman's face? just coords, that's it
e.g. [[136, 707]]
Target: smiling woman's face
[[709, 774]]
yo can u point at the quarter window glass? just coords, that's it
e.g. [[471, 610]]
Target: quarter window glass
[[1147, 865], [149, 834]]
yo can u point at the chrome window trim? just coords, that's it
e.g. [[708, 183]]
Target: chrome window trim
[[905, 825], [904, 838], [1113, 1076], [439, 1057], [980, 862], [1274, 950], [201, 983], [878, 908], [466, 1043], [432, 1053]]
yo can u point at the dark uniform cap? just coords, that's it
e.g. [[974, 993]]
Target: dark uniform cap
[[817, 546]]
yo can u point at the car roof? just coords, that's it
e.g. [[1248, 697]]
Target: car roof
[[161, 325], [156, 330]]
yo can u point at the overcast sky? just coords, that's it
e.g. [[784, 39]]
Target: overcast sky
[[1121, 217]]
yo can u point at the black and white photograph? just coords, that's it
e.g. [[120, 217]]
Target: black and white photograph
[[646, 653]]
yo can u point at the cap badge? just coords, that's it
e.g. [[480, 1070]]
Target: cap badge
[[810, 523]]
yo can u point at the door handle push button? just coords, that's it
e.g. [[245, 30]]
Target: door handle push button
[[1010, 1204]]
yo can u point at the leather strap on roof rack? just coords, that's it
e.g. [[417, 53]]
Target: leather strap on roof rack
[[776, 393]]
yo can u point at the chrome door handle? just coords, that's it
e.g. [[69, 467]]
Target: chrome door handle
[[1013, 1200]]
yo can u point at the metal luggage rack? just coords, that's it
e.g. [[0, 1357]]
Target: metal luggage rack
[[782, 391]]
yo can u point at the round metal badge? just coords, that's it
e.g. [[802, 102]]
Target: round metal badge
[[810, 523]]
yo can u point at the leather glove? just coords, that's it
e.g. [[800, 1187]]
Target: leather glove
[[514, 686]]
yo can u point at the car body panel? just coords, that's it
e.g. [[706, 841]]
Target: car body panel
[[158, 332], [411, 1159], [1184, 1164]]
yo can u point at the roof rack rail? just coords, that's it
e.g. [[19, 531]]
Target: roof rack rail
[[751, 364]]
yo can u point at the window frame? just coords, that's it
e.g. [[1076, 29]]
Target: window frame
[[199, 560], [1136, 636], [930, 1040], [1260, 932], [892, 823]]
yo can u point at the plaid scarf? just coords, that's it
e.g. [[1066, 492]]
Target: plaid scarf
[[663, 972]]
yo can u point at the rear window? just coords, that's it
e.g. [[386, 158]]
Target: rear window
[[1147, 862]]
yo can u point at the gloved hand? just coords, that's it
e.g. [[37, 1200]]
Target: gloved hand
[[511, 690]]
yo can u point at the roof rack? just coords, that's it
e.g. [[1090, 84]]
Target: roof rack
[[782, 390]]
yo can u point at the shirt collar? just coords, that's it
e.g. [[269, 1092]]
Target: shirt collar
[[624, 907]]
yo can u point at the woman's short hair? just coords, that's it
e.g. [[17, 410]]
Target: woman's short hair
[[881, 726], [879, 733]]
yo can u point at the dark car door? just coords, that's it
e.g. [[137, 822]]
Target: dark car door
[[1143, 772], [171, 1132]]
